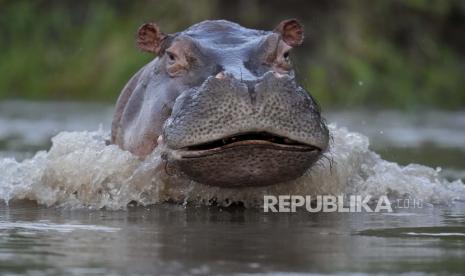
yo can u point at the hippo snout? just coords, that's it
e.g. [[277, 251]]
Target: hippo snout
[[229, 132], [224, 107]]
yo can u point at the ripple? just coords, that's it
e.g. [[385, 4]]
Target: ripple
[[49, 226]]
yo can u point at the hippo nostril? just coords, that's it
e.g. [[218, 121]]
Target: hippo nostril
[[278, 75], [220, 75], [160, 140]]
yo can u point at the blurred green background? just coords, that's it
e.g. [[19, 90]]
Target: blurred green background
[[375, 54]]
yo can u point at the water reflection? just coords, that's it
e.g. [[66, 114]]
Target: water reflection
[[171, 239]]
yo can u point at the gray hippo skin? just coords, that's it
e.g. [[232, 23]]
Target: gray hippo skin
[[223, 103]]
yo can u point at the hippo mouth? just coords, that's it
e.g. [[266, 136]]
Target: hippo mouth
[[245, 159], [249, 139]]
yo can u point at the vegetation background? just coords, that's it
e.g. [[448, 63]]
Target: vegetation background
[[407, 54]]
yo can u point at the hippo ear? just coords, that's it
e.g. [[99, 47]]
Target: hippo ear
[[149, 38], [291, 31]]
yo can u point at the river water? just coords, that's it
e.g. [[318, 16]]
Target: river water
[[52, 221]]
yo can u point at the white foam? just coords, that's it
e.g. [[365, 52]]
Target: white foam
[[81, 171]]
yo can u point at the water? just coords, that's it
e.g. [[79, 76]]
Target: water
[[79, 175], [172, 239]]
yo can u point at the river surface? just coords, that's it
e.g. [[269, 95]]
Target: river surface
[[75, 236]]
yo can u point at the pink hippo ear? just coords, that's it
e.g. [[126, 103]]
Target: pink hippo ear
[[149, 38], [292, 32]]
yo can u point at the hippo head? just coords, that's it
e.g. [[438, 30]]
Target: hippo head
[[237, 117]]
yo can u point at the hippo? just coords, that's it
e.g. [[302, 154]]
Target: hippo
[[222, 103]]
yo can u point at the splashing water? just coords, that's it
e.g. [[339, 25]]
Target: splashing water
[[80, 170]]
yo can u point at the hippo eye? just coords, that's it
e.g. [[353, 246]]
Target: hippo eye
[[171, 56], [286, 56]]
